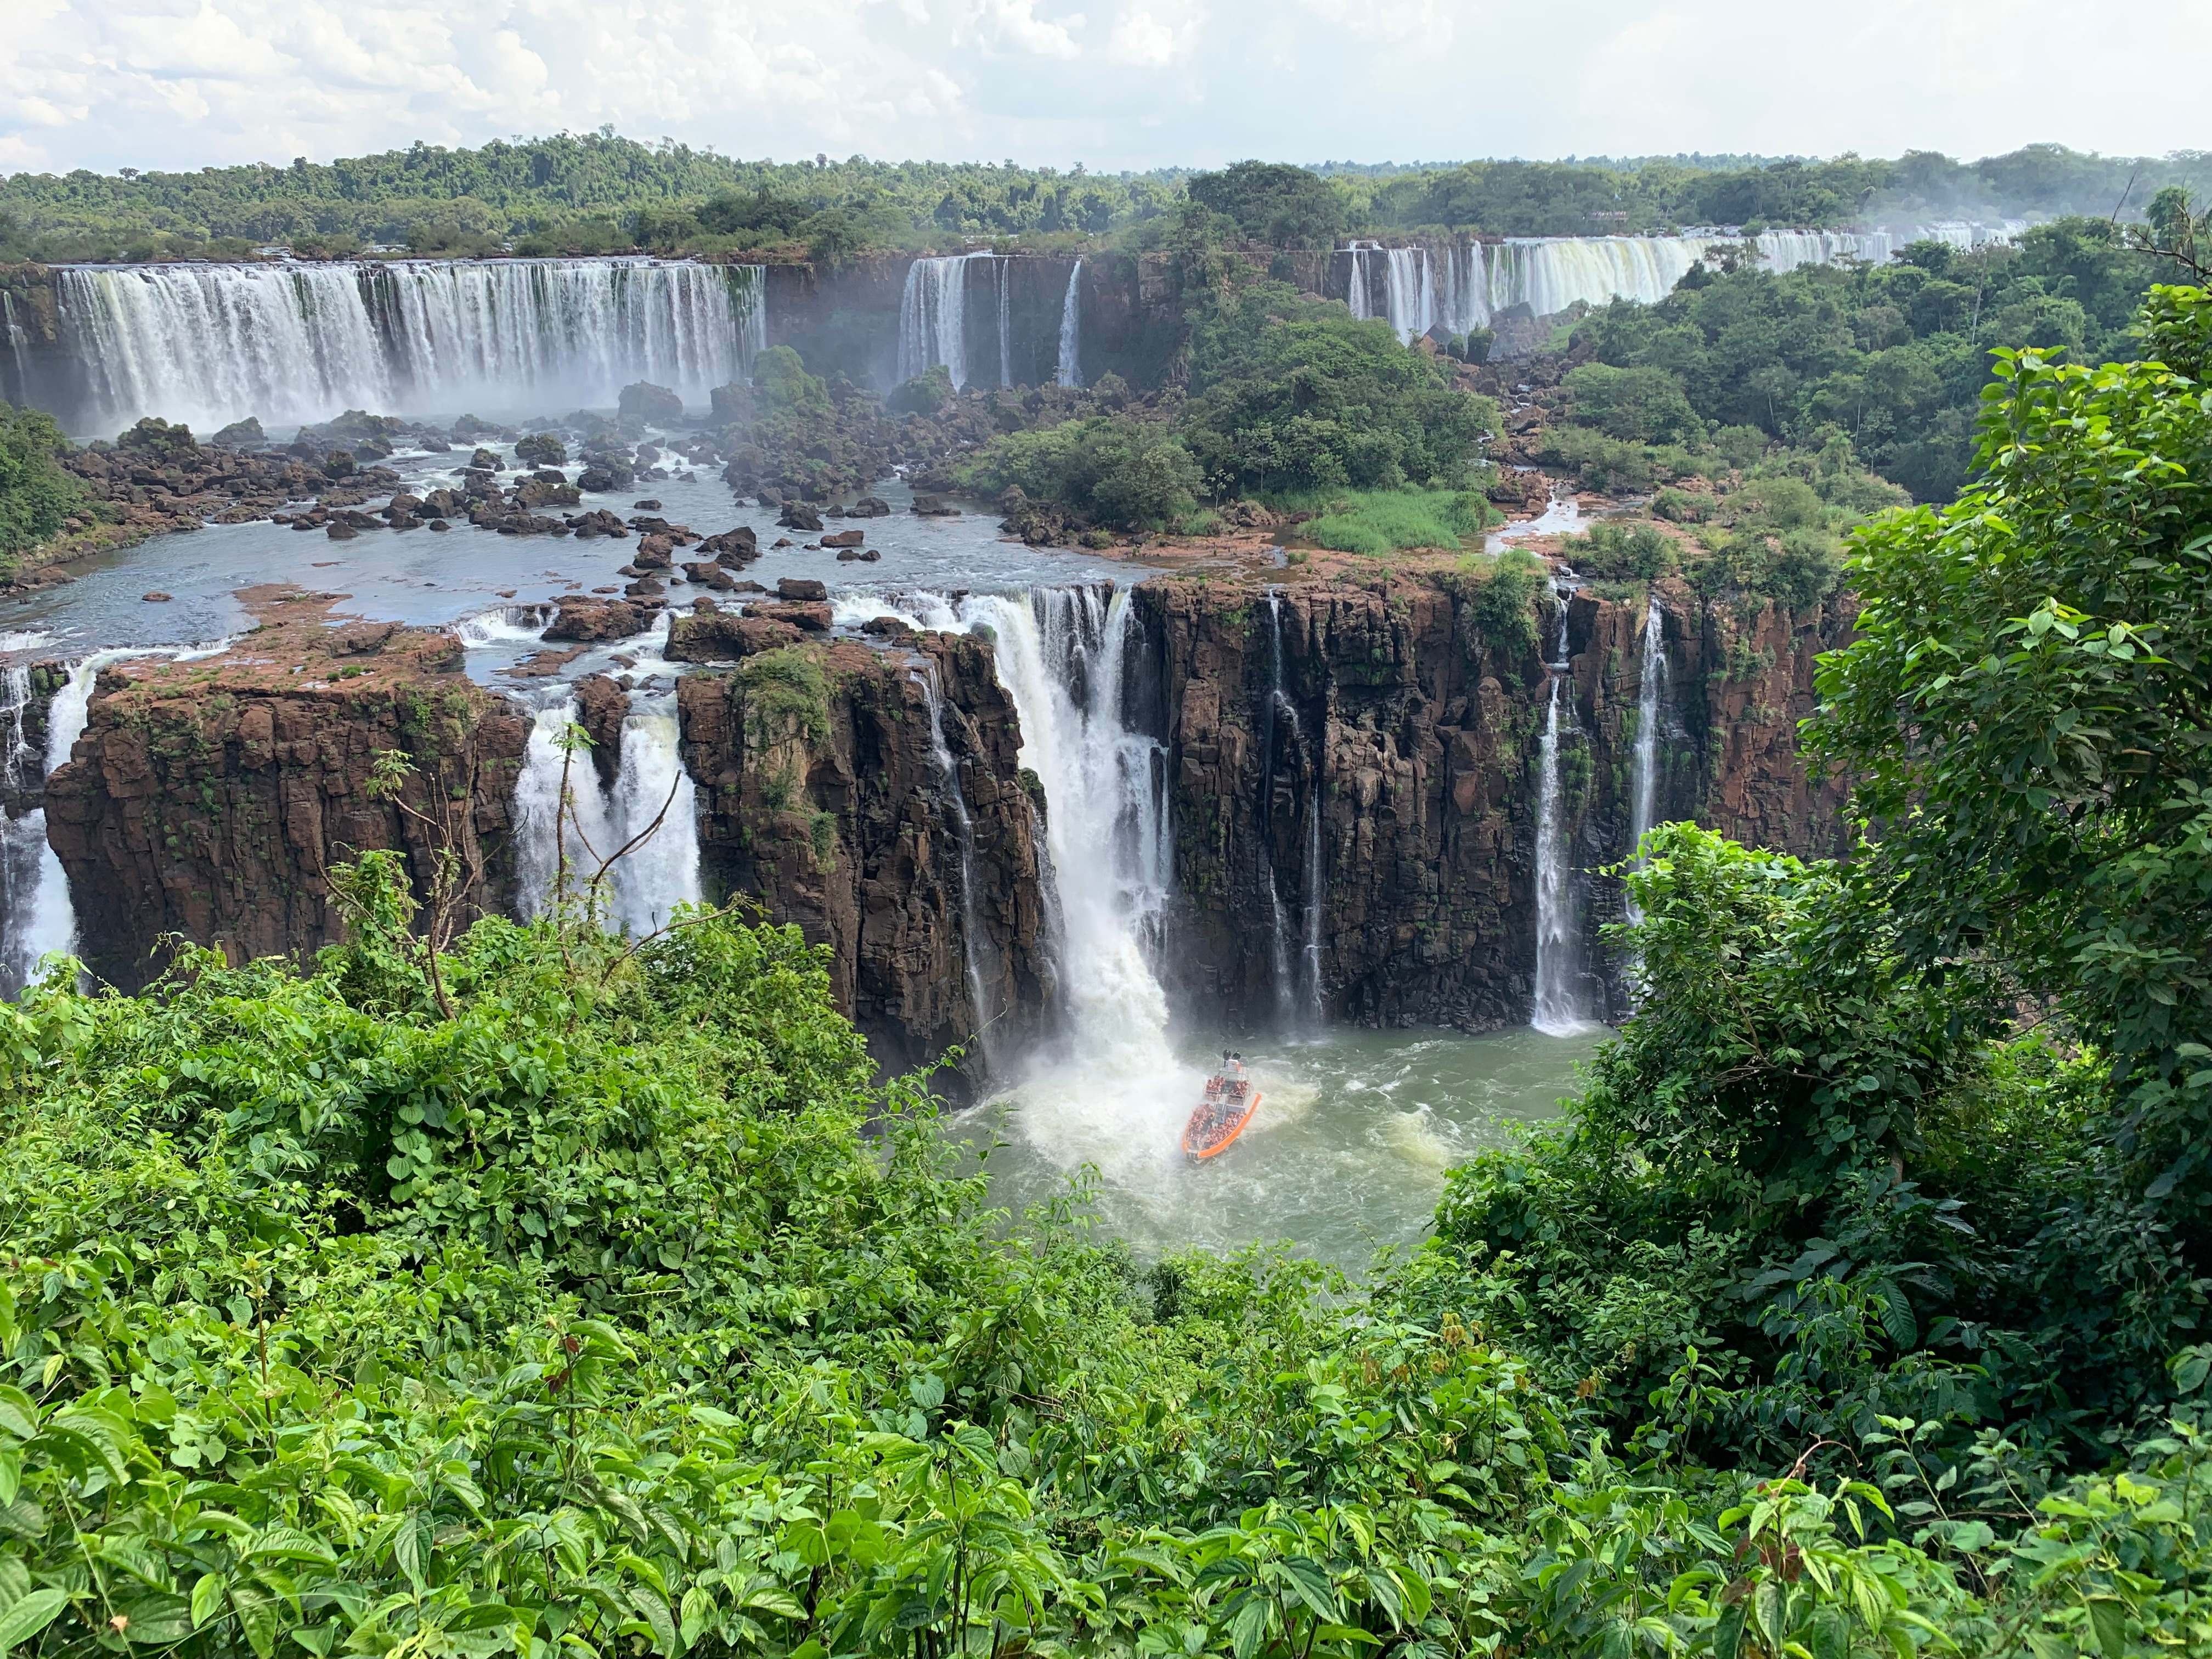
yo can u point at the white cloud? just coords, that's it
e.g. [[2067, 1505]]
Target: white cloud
[[1112, 83]]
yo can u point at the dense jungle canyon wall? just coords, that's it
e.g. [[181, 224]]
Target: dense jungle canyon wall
[[1372, 744]]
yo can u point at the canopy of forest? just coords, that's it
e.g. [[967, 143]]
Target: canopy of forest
[[595, 193]]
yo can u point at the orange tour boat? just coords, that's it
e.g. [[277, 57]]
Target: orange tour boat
[[1227, 1107]]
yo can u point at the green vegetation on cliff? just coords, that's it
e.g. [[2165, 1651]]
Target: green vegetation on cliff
[[37, 497], [1894, 356], [588, 1296]]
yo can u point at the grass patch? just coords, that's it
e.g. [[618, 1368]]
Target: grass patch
[[1378, 521]]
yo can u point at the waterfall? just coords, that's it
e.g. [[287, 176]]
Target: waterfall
[[975, 944], [1463, 298], [933, 318], [1314, 895], [1279, 923], [39, 920], [1651, 683], [1002, 281], [1070, 371], [1060, 654], [1409, 300], [208, 344], [18, 337], [1547, 274], [643, 887], [1559, 1007]]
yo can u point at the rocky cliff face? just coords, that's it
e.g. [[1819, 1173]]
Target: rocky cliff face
[[211, 799], [1407, 715], [823, 794], [846, 321]]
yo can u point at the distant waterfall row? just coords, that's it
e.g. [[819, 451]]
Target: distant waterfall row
[[961, 312], [1460, 286], [290, 343]]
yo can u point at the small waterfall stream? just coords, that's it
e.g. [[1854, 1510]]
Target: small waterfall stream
[[1651, 693], [975, 944], [38, 919], [933, 316], [662, 872], [1561, 1008], [1069, 369]]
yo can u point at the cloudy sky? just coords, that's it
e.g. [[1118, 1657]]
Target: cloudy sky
[[1110, 83]]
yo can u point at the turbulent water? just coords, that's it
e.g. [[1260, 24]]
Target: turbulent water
[[289, 343], [1347, 1153]]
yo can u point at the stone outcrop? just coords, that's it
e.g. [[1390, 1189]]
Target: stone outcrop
[[1411, 717], [211, 799], [821, 796]]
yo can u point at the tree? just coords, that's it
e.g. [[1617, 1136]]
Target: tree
[[1286, 206], [2027, 716], [37, 496]]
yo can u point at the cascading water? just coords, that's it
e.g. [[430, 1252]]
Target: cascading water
[[209, 344], [19, 340], [974, 945], [1002, 281], [1278, 923], [1069, 369], [1559, 1009], [1060, 654], [1463, 290], [1409, 303], [933, 317], [643, 887], [39, 920], [1650, 692], [1315, 897]]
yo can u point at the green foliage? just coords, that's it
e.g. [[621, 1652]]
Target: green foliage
[[1644, 404], [1894, 356], [1285, 206], [1387, 521], [788, 683], [924, 394], [1127, 471], [1291, 397], [1611, 551], [782, 386], [2025, 711], [37, 496]]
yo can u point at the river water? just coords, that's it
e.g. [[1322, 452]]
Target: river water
[[1345, 1155], [1357, 1127]]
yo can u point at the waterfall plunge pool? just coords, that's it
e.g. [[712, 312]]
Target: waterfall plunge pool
[[1346, 1155]]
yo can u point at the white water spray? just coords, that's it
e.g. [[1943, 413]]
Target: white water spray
[[1651, 684], [209, 344], [933, 318], [643, 887], [39, 920], [1559, 1009], [1070, 370]]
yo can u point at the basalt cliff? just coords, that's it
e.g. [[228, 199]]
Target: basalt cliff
[[1351, 772]]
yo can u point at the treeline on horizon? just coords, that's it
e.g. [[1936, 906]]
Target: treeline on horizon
[[598, 192]]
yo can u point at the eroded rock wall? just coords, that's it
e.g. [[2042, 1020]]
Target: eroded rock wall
[[211, 799], [836, 814], [1410, 718]]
